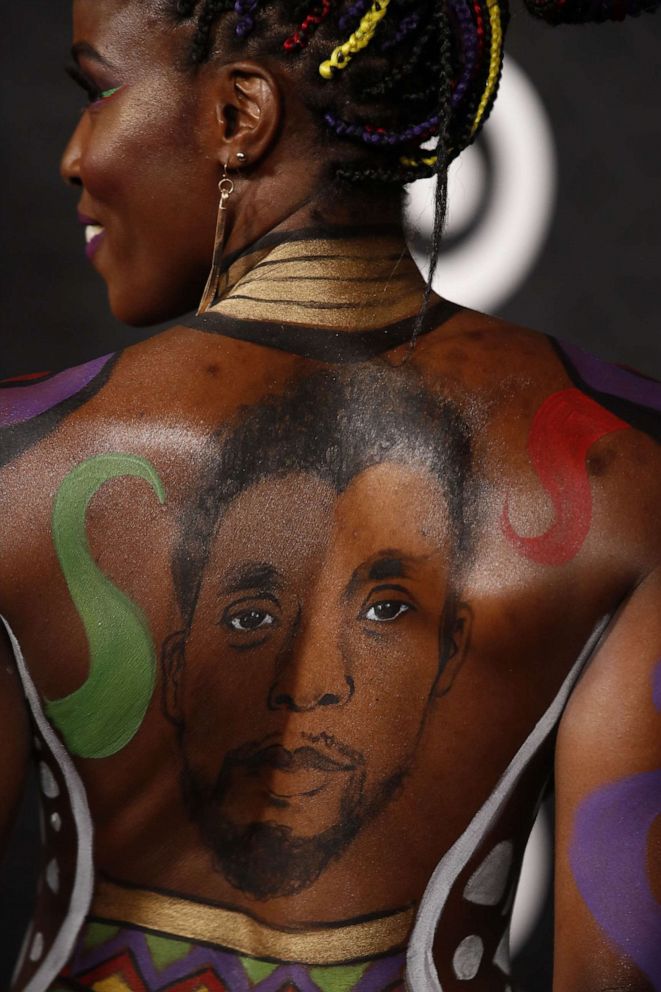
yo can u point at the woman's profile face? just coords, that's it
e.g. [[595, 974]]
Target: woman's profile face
[[142, 155]]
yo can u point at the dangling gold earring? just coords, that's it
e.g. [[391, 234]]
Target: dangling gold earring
[[211, 290]]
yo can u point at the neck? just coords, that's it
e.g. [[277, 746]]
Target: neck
[[263, 211], [349, 278]]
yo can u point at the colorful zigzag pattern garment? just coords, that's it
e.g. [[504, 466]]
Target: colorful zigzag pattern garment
[[111, 958], [139, 940]]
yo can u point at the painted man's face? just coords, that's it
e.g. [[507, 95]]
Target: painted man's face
[[311, 661]]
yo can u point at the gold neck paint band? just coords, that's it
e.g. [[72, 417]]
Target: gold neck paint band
[[343, 283], [231, 930]]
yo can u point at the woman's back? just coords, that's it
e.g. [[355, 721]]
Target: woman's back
[[310, 605]]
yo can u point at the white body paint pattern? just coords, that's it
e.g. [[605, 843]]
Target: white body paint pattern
[[421, 974], [487, 884], [58, 953], [468, 957]]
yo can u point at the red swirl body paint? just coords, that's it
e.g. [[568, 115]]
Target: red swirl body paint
[[564, 429]]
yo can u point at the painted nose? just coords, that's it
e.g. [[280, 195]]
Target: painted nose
[[72, 155], [313, 674]]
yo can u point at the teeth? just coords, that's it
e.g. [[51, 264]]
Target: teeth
[[92, 231]]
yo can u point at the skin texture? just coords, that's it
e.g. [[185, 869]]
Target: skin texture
[[355, 721]]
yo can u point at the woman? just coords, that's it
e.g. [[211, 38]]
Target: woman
[[298, 590]]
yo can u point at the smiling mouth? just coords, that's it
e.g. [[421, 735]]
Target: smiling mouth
[[94, 234], [93, 231]]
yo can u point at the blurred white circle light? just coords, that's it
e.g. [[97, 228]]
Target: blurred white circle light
[[503, 201], [534, 886]]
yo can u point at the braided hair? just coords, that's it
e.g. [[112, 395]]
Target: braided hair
[[390, 75], [385, 78]]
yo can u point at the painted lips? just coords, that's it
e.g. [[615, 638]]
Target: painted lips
[[94, 234]]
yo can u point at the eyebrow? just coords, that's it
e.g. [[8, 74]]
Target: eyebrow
[[251, 575], [83, 49], [384, 565]]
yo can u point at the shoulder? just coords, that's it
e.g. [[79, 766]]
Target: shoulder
[[514, 370], [555, 427], [32, 405], [492, 352]]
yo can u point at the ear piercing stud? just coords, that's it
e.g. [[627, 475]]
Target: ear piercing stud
[[241, 157]]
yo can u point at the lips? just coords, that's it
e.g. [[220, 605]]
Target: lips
[[94, 233], [300, 760]]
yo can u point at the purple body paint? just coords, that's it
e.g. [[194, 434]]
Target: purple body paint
[[656, 686], [21, 403], [608, 858], [612, 379]]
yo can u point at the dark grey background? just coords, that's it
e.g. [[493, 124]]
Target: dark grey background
[[596, 281]]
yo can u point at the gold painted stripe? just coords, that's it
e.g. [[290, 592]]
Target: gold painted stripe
[[177, 917], [370, 312], [363, 253]]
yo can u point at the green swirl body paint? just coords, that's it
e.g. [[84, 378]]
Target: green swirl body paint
[[105, 713]]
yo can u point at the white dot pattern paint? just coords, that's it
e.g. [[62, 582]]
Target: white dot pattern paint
[[468, 958], [56, 822], [53, 876], [49, 786], [487, 884], [37, 948]]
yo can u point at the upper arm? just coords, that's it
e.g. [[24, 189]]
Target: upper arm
[[608, 790], [14, 738]]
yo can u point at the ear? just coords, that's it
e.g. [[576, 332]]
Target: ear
[[248, 112], [454, 647], [173, 660]]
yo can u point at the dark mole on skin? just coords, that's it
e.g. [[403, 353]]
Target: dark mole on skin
[[598, 464]]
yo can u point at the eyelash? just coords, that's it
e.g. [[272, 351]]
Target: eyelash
[[94, 94], [371, 601]]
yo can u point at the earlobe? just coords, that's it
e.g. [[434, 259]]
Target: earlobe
[[454, 648]]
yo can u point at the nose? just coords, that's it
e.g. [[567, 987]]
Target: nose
[[311, 673], [73, 153]]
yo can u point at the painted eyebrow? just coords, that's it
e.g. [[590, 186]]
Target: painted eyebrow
[[385, 565], [84, 50], [387, 568], [251, 575]]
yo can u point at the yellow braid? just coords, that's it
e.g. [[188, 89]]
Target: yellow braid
[[411, 163], [494, 63], [361, 38]]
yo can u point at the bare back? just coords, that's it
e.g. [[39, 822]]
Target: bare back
[[303, 609]]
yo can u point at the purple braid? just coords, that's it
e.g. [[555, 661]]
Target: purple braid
[[245, 11], [380, 136], [468, 45], [407, 26], [353, 13]]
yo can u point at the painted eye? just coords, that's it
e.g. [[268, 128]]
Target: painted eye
[[94, 93], [251, 620], [386, 610], [104, 94]]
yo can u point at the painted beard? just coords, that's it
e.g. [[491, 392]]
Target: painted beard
[[265, 859]]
